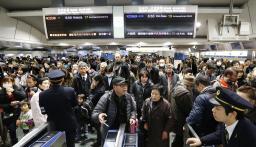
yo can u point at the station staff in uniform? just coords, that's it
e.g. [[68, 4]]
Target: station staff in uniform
[[235, 130], [57, 102]]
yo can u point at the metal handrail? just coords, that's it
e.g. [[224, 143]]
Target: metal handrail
[[120, 136], [192, 131], [28, 137]]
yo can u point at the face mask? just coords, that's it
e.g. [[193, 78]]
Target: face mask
[[161, 65], [218, 63], [74, 71], [7, 85], [65, 66]]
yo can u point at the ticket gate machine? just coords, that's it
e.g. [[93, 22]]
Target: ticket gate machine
[[118, 138]]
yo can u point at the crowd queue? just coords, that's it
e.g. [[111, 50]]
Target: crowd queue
[[81, 95]]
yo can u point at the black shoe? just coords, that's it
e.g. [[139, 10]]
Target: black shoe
[[90, 129], [78, 140], [95, 144], [84, 137]]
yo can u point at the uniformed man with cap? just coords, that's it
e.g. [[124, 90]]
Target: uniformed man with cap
[[234, 130], [57, 102]]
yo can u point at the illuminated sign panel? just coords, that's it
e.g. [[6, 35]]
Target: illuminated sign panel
[[160, 21], [78, 23]]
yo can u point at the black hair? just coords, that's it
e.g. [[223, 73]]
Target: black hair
[[234, 62], [228, 110], [200, 79], [109, 68], [229, 71], [40, 81], [154, 73], [210, 66], [125, 72], [187, 70], [149, 60], [158, 87], [134, 69], [99, 78], [247, 60], [143, 72]]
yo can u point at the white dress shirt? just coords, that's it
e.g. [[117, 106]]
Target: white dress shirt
[[38, 117], [231, 128]]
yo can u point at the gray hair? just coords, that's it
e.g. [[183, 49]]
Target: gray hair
[[83, 64]]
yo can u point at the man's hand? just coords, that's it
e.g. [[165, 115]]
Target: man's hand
[[164, 135], [18, 122], [9, 91], [14, 103], [102, 117], [146, 126], [193, 142], [132, 121], [31, 93]]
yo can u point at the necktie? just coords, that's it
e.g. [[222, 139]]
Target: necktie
[[226, 136]]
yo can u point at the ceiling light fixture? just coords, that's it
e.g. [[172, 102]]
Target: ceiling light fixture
[[167, 43], [63, 44], [113, 43], [194, 43]]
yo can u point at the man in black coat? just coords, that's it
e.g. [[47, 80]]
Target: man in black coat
[[200, 117], [115, 108], [82, 81], [57, 102], [235, 130], [109, 76]]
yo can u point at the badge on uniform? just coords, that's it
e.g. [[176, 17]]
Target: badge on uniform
[[43, 110]]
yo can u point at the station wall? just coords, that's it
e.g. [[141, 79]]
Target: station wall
[[15, 30], [252, 10], [249, 11]]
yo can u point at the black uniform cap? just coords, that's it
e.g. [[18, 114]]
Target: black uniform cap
[[226, 97], [56, 74]]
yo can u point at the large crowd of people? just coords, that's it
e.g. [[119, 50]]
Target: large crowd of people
[[145, 91]]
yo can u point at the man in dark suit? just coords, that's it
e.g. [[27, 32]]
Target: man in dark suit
[[57, 102], [82, 81], [109, 76], [235, 130]]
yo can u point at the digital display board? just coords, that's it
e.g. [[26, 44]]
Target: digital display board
[[78, 23], [159, 25], [160, 21]]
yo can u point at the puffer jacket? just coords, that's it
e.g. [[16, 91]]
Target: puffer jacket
[[107, 105], [181, 104], [17, 95], [200, 117], [140, 93]]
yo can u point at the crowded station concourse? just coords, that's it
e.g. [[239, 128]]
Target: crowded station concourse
[[137, 73]]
